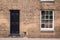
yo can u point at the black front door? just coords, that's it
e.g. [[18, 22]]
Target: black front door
[[14, 22]]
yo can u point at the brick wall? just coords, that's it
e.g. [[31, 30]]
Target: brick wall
[[29, 17]]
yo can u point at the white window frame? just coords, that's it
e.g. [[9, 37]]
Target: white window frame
[[46, 0], [46, 29]]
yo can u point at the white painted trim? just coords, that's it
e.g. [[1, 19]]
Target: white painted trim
[[53, 20], [46, 0], [47, 29], [40, 20]]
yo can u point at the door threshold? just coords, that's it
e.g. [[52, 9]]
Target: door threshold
[[14, 34]]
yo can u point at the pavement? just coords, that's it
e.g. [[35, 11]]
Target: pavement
[[25, 38]]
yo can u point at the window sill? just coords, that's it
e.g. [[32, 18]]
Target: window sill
[[47, 1], [47, 29]]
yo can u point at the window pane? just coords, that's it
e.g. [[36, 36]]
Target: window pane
[[46, 26], [47, 13], [42, 25], [51, 17], [46, 17], [51, 13], [43, 21], [50, 21], [50, 26], [43, 13], [43, 17], [46, 21]]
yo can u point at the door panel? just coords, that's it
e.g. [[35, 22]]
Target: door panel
[[14, 22]]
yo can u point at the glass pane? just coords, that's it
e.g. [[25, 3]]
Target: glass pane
[[46, 21], [50, 21], [51, 17], [50, 26], [42, 25], [43, 21], [43, 17], [43, 13], [46, 13], [51, 13], [46, 26], [46, 17]]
